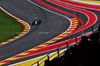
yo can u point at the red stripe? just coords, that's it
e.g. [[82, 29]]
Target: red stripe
[[7, 41], [5, 61], [49, 6], [92, 18], [83, 5]]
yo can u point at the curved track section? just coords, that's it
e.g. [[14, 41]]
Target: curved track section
[[28, 12], [92, 17], [54, 6]]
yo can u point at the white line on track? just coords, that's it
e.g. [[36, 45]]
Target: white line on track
[[46, 10], [51, 12], [86, 2]]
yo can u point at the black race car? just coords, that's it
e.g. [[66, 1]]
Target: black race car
[[36, 22]]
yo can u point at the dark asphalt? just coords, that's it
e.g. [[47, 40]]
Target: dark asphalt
[[51, 23]]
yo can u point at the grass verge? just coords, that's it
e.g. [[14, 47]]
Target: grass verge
[[9, 27]]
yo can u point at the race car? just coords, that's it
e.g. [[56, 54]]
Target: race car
[[36, 22]]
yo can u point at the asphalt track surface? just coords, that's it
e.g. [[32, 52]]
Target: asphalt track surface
[[28, 12]]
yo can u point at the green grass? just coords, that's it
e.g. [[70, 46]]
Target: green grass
[[9, 27]]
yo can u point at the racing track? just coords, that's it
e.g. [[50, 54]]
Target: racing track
[[27, 18], [25, 10]]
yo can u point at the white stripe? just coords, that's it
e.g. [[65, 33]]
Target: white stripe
[[86, 2], [52, 12], [48, 11]]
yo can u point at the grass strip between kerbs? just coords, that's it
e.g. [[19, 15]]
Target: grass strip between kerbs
[[9, 27]]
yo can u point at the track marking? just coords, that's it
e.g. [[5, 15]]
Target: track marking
[[70, 42], [37, 48], [30, 52], [61, 35], [88, 1], [51, 12], [82, 4], [32, 61], [92, 17]]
